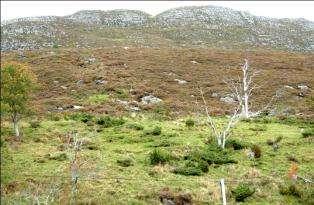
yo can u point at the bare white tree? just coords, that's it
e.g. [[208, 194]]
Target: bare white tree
[[242, 89], [223, 133]]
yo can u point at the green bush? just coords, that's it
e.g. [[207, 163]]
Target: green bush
[[189, 122], [97, 99], [135, 126], [108, 121], [236, 144], [158, 156], [211, 154], [155, 131], [192, 168], [58, 156], [258, 128], [83, 117], [242, 191], [257, 151], [163, 143], [125, 162], [34, 124], [122, 94], [308, 133], [290, 190]]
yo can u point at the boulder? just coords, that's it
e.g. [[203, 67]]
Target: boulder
[[227, 99], [150, 99], [180, 81]]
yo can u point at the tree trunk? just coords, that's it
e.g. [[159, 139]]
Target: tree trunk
[[16, 127], [245, 108]]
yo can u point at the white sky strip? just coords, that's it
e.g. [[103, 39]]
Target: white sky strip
[[275, 9]]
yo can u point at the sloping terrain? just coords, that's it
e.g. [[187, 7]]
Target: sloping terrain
[[182, 27], [69, 77]]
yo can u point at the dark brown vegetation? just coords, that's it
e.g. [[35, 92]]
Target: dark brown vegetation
[[138, 71]]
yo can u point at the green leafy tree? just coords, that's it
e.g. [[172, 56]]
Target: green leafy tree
[[17, 84]]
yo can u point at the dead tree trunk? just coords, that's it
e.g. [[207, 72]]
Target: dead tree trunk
[[222, 134], [16, 129], [246, 83]]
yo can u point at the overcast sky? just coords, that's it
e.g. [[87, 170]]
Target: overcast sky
[[277, 9]]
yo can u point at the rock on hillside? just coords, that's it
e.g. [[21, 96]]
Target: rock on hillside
[[110, 18], [193, 26]]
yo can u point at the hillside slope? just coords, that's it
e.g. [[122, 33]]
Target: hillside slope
[[71, 77], [184, 27]]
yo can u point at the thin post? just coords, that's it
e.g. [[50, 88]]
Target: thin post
[[223, 192]]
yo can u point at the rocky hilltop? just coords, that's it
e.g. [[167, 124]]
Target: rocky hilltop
[[187, 26]]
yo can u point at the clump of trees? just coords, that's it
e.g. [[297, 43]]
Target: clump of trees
[[17, 85]]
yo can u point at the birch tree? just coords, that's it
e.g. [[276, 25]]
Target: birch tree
[[17, 83], [223, 133], [243, 87]]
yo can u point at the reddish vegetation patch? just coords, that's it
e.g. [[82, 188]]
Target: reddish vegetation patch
[[140, 71]]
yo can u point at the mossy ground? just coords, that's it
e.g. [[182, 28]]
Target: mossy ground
[[104, 181]]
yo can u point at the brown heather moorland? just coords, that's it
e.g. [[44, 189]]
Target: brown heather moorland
[[132, 72]]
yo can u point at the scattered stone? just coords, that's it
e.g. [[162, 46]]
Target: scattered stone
[[150, 99], [59, 108], [194, 62], [63, 87], [55, 82], [303, 87], [180, 81], [214, 95], [123, 102], [126, 48], [227, 99], [289, 87], [77, 107], [100, 82], [135, 109], [80, 82]]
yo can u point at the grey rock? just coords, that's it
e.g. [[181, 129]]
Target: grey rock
[[303, 87], [80, 82], [150, 99], [100, 82], [227, 99], [214, 95], [181, 82]]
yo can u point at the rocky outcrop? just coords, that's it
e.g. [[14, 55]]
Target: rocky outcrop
[[193, 26]]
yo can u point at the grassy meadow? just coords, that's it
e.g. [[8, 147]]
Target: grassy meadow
[[131, 159]]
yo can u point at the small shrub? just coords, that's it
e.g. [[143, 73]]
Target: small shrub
[[83, 117], [211, 154], [58, 157], [135, 126], [189, 122], [108, 121], [192, 168], [258, 128], [34, 124], [242, 191], [155, 131], [235, 144], [159, 156], [292, 158], [290, 190], [308, 133], [274, 143], [257, 151], [126, 162], [97, 99], [122, 94], [163, 143], [278, 139]]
